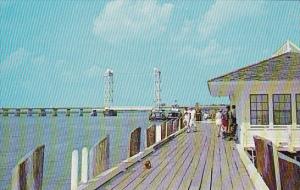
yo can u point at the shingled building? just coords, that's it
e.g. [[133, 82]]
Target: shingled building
[[267, 98]]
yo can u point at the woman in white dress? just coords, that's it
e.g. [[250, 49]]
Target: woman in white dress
[[186, 120]]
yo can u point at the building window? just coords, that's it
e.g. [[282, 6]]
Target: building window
[[259, 109], [282, 109], [298, 108]]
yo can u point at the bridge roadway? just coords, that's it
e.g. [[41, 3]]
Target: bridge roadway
[[197, 160]]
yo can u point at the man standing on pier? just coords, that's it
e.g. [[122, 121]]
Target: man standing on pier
[[192, 120]]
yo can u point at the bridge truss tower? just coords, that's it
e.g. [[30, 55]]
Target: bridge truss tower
[[157, 89], [108, 88]]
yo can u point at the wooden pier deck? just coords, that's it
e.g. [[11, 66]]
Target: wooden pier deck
[[196, 160]]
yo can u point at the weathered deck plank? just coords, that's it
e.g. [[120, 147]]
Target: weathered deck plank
[[206, 180], [216, 179], [226, 175], [190, 173], [235, 176], [162, 160], [197, 160], [247, 183], [190, 165], [198, 175], [137, 170], [164, 177]]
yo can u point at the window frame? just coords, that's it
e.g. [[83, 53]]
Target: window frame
[[290, 111], [259, 125], [297, 109]]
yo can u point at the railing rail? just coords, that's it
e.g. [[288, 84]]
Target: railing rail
[[278, 170], [156, 135]]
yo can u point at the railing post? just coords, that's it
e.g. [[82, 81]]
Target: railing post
[[267, 162], [163, 130], [289, 172], [169, 128], [150, 135], [158, 133], [28, 174], [84, 165], [74, 170], [99, 157], [135, 142]]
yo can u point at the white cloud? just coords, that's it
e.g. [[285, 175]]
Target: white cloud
[[94, 71], [14, 60], [212, 53], [225, 12], [121, 20]]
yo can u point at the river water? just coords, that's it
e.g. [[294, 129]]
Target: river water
[[61, 135]]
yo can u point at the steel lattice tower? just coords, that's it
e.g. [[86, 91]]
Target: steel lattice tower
[[108, 88], [157, 89]]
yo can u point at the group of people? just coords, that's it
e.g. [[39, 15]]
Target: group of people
[[189, 119], [226, 123]]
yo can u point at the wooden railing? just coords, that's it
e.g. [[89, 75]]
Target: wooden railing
[[156, 135], [278, 170], [28, 173]]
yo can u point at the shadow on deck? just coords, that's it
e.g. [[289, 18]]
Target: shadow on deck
[[197, 160]]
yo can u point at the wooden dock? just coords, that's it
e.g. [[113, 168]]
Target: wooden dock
[[196, 160]]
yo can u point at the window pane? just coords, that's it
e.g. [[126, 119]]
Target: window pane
[[259, 98], [281, 98], [259, 109], [253, 106], [253, 98], [265, 106], [253, 114], [287, 106], [298, 97], [259, 106], [282, 109], [253, 122], [276, 106], [265, 98]]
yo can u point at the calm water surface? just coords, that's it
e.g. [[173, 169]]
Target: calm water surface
[[61, 135]]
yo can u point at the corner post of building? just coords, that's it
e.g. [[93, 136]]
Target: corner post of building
[[294, 122], [271, 119]]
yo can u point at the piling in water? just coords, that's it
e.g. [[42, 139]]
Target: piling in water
[[29, 112], [68, 113], [17, 112], [81, 112], [43, 112], [5, 111], [54, 112]]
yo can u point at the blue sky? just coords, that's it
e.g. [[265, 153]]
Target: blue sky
[[55, 53]]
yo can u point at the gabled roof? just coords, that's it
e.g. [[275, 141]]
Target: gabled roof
[[287, 47], [284, 65]]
